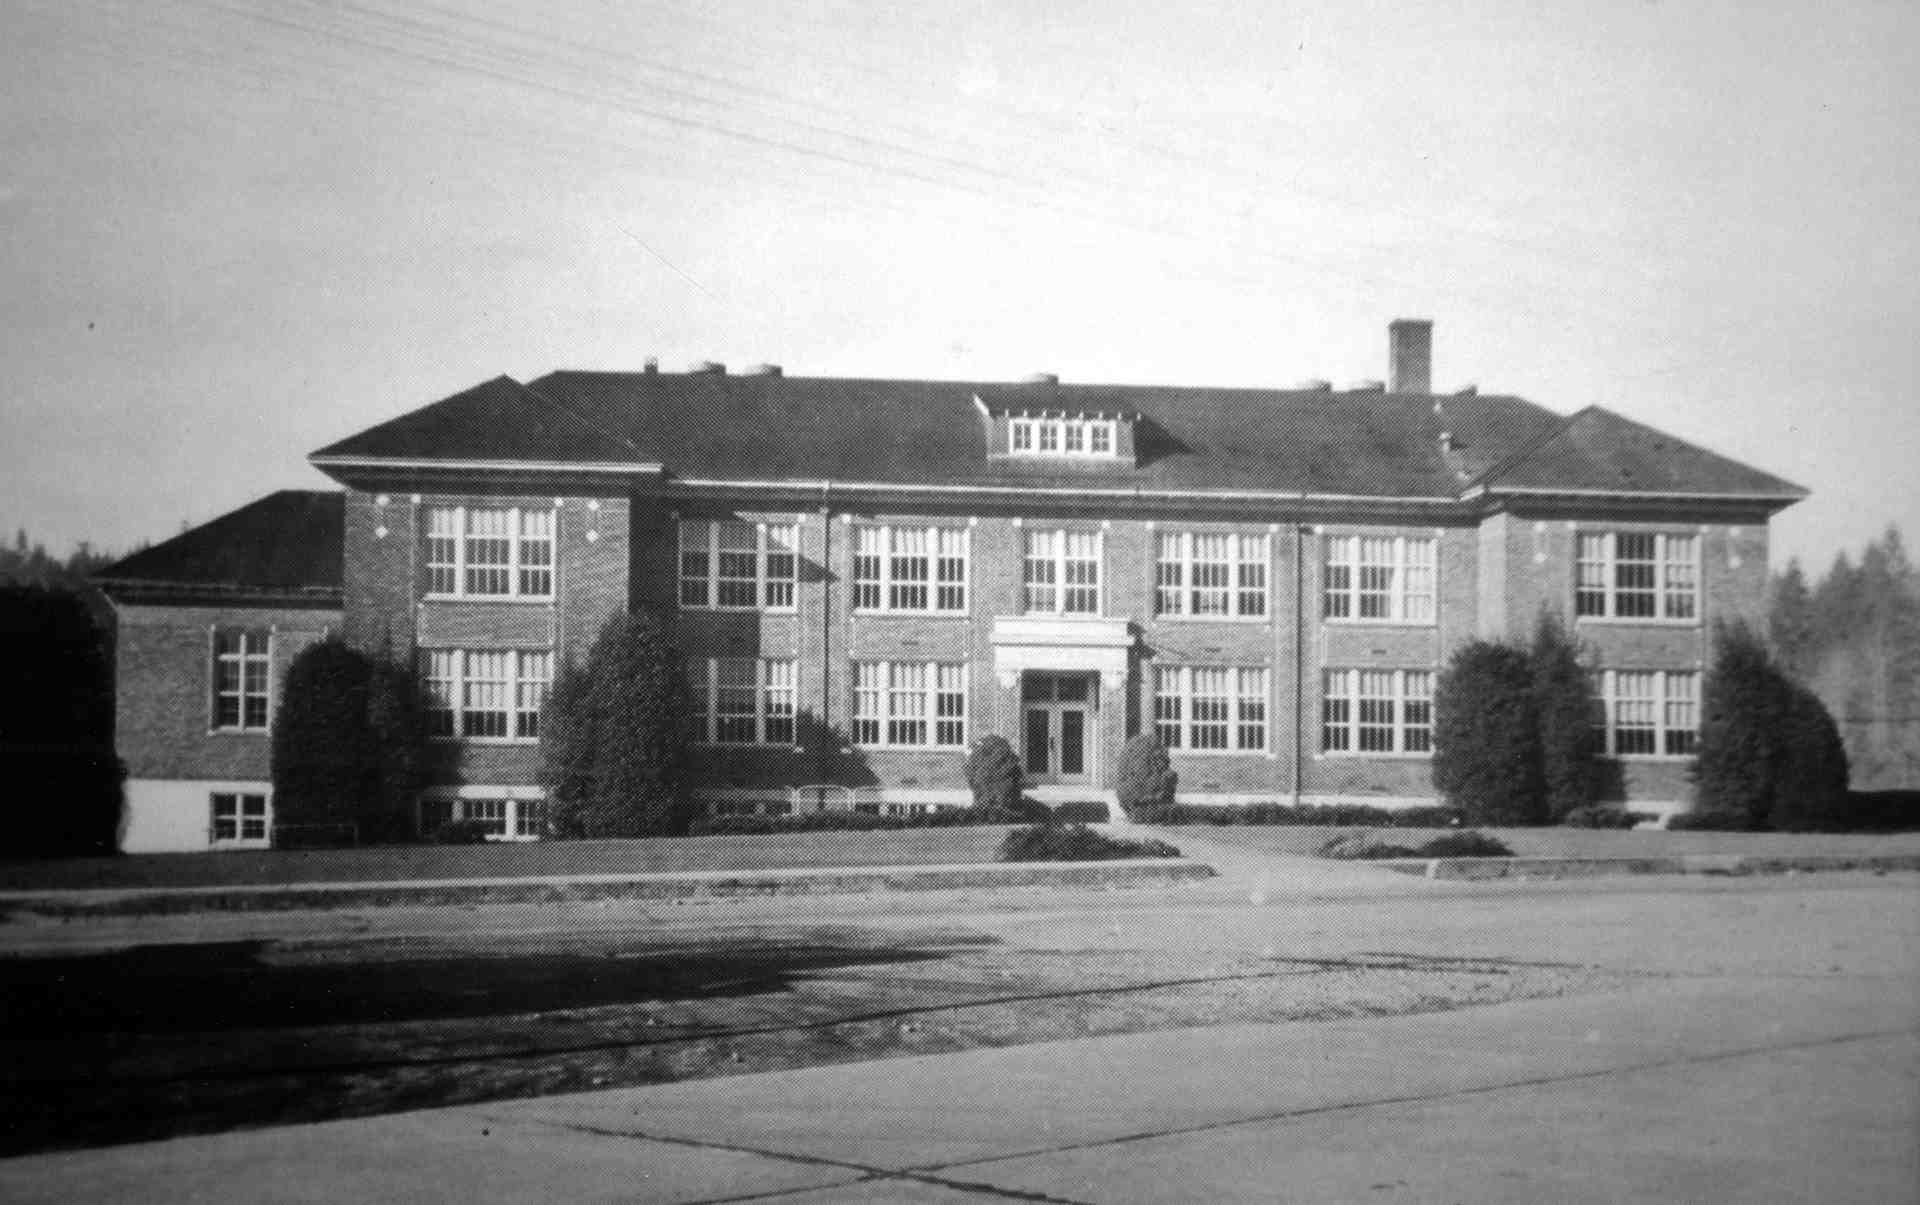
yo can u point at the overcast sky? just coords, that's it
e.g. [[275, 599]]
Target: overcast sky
[[236, 230]]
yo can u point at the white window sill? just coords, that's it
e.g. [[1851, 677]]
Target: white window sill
[[1348, 755], [1210, 753], [1668, 758], [740, 610], [910, 748], [525, 600], [1380, 623], [239, 731], [1238, 620], [721, 746], [890, 613], [1629, 621], [528, 741]]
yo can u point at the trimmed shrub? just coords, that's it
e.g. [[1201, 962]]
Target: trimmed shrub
[[1811, 791], [461, 832], [1568, 717], [1465, 845], [349, 742], [1365, 846], [1081, 811], [993, 773], [1486, 759], [614, 764], [855, 822], [1708, 822], [1601, 815], [1145, 781], [1076, 843]]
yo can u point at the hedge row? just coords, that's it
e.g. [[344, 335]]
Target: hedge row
[[1077, 843], [1331, 815], [855, 822]]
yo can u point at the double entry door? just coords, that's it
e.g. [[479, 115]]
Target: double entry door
[[1057, 720]]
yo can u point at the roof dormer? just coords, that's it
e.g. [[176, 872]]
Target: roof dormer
[[1056, 436]]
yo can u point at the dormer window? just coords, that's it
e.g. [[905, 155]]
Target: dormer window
[[1063, 435]]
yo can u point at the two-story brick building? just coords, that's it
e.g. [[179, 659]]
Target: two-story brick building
[[1268, 579]]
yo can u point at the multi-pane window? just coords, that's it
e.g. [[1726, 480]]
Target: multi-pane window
[[1387, 579], [1211, 575], [1062, 572], [242, 679], [910, 569], [1377, 711], [742, 700], [490, 551], [1210, 708], [238, 818], [1637, 575], [487, 693], [909, 704], [501, 819], [1063, 436], [1648, 713], [734, 565]]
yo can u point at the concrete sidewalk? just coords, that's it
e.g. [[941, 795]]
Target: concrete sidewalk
[[543, 889], [1687, 1090]]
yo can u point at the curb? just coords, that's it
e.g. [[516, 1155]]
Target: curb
[[1477, 869], [708, 884]]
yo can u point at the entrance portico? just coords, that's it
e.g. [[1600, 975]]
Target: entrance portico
[[1063, 682]]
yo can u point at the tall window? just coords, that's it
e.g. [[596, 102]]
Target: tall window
[[1064, 435], [1210, 708], [238, 819], [1649, 713], [738, 566], [1062, 572], [242, 679], [910, 569], [1637, 575], [1211, 575], [490, 551], [1377, 711], [743, 700], [1387, 579], [487, 693], [910, 704]]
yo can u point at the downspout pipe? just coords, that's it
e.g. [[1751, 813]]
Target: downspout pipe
[[1299, 654]]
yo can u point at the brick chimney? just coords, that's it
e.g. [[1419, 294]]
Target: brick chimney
[[1410, 356]]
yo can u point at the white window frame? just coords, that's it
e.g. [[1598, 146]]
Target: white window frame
[[1176, 587], [1067, 436], [1246, 719], [525, 688], [1673, 699], [518, 818], [1058, 559], [243, 658], [1343, 552], [1341, 704], [1675, 578], [775, 592], [776, 698], [532, 558], [880, 581], [240, 839], [885, 698]]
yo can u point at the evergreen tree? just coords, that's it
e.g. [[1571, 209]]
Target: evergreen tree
[[993, 774], [1790, 622], [615, 762], [349, 741], [1486, 757], [1568, 717], [1770, 755], [1146, 782]]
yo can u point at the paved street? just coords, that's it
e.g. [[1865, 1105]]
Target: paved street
[[1753, 1039]]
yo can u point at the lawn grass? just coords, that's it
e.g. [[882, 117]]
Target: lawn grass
[[790, 851], [1570, 842]]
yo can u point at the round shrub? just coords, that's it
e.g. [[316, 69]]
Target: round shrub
[[1465, 845], [1601, 815], [1076, 843], [1146, 780], [993, 774]]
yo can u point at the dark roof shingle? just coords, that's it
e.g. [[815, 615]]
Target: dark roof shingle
[[287, 542]]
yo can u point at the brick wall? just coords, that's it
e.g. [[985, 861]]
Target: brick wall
[[164, 687]]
